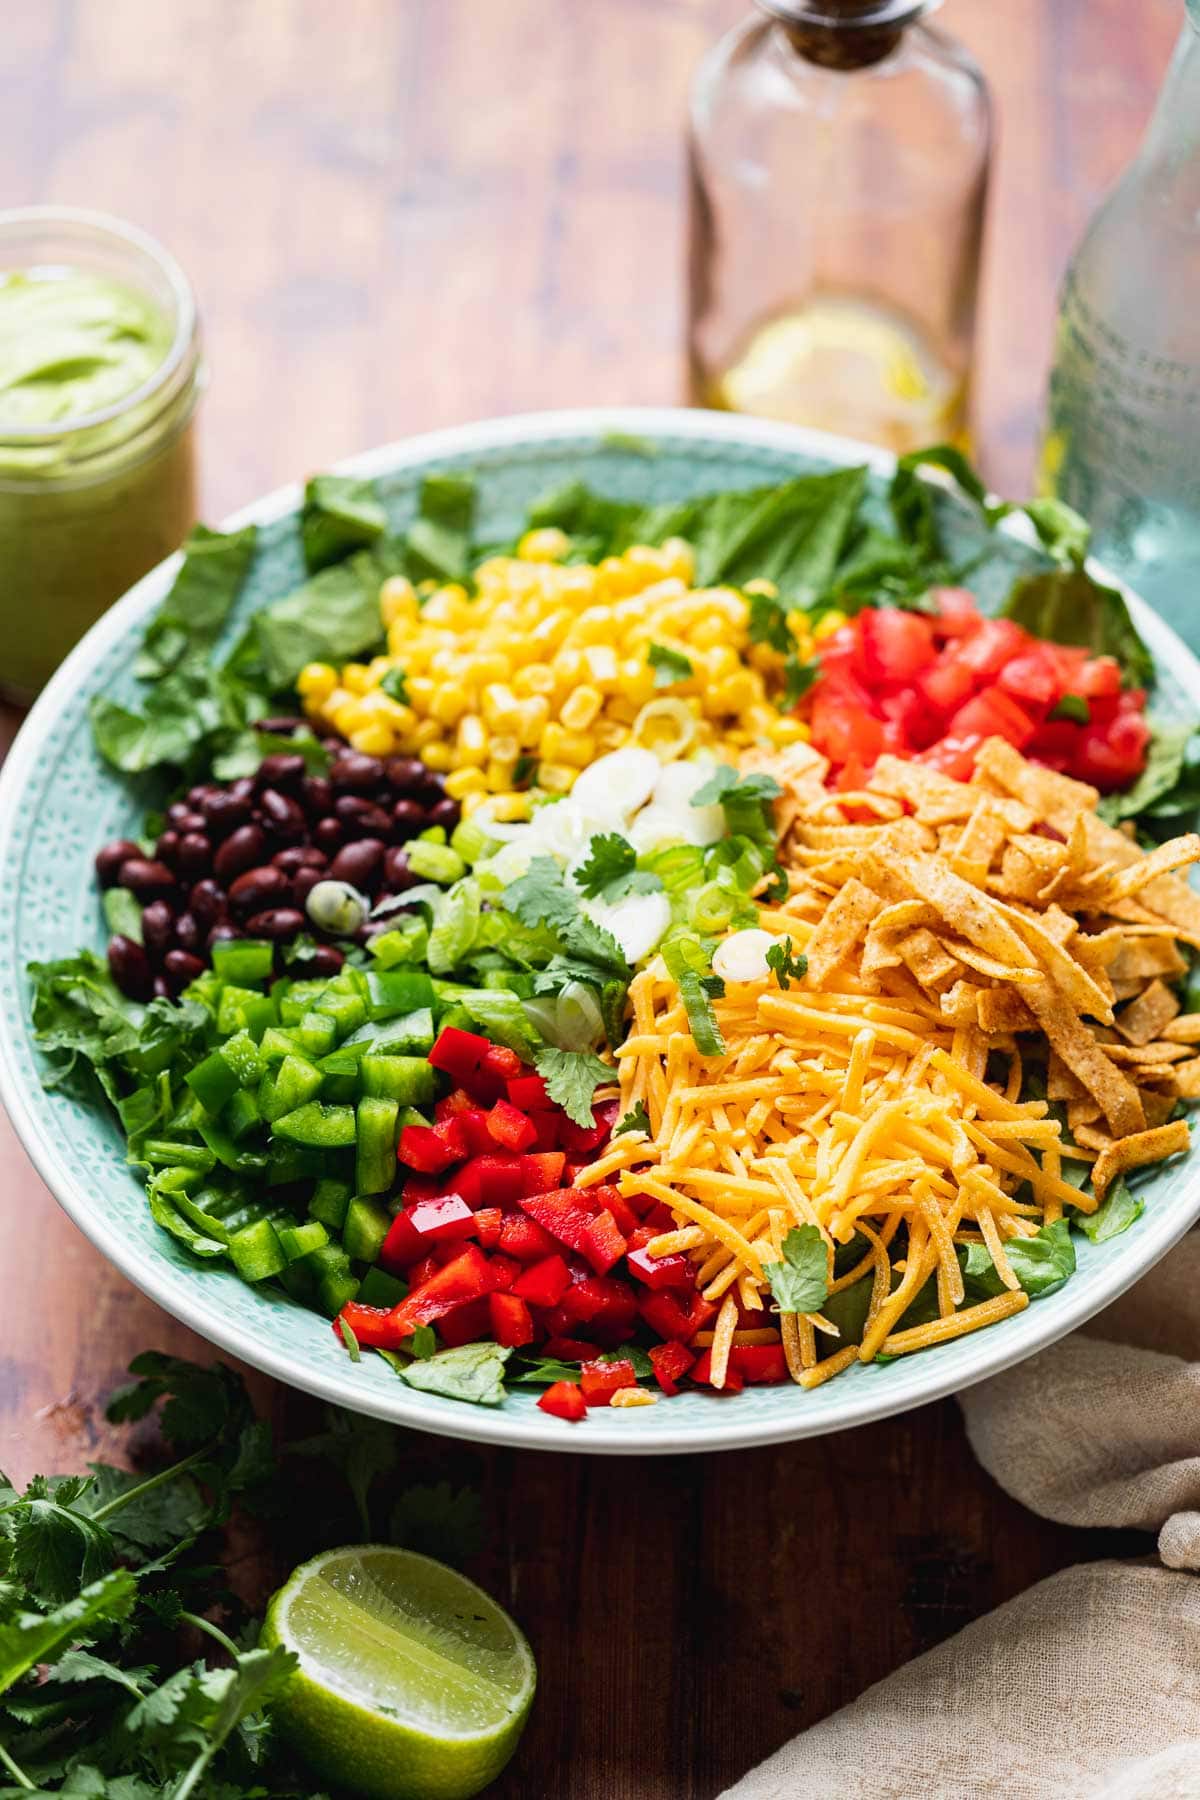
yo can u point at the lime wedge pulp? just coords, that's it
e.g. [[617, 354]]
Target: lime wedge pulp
[[413, 1684]]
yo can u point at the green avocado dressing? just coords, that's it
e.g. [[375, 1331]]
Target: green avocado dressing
[[72, 344]]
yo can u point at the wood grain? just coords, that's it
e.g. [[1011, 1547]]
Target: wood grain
[[400, 214]]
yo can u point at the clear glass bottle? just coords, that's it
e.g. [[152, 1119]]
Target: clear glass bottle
[[839, 154], [92, 495], [1122, 439]]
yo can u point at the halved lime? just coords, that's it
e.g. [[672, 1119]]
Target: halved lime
[[413, 1684]]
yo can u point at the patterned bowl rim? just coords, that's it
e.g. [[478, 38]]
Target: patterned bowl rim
[[180, 1292]]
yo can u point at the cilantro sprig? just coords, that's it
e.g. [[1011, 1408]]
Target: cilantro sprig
[[800, 1280], [669, 665]]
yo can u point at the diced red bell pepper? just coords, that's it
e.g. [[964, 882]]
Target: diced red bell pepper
[[759, 1363], [571, 1217], [702, 1372], [510, 1127], [568, 1349], [603, 1304], [489, 1222], [421, 1271], [603, 1243], [459, 1054], [542, 1170], [457, 1101], [421, 1187], [664, 1314], [544, 1283], [522, 1238], [503, 1178], [627, 1220], [545, 1126], [590, 1137], [601, 1380], [431, 1148], [505, 1270], [373, 1326], [467, 1278], [474, 1121], [671, 1363], [511, 1322], [413, 1231], [641, 1235], [661, 1271], [466, 1324], [529, 1093], [564, 1400], [502, 1061]]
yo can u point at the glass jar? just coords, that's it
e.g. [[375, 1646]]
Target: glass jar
[[1123, 413], [839, 154], [100, 373]]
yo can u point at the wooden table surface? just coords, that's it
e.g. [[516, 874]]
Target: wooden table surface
[[401, 214]]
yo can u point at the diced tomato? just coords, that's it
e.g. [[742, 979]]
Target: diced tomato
[[843, 723], [702, 1372], [993, 713], [529, 1093], [564, 1400], [544, 1283], [466, 1278], [511, 1322], [759, 1363], [896, 645], [1114, 755], [466, 1324], [601, 1380], [1033, 678], [958, 615], [953, 756], [489, 1222], [459, 1054], [414, 1230], [373, 1326], [671, 1363], [995, 643], [1098, 678], [661, 1271], [946, 685]]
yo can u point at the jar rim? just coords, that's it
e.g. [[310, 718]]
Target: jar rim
[[133, 237], [868, 15]]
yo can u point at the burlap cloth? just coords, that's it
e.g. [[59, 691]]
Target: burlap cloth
[[1087, 1687]]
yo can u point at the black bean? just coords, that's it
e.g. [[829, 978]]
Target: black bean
[[327, 959], [405, 773], [445, 813], [223, 932], [356, 772], [242, 788], [130, 967], [328, 834], [158, 927], [147, 879], [167, 848], [282, 816], [396, 871], [183, 818], [281, 770], [259, 888], [281, 725], [195, 855], [408, 818], [361, 817], [304, 881], [316, 796], [243, 849], [299, 856], [433, 786], [196, 796], [162, 988], [110, 859], [277, 923], [360, 864], [207, 901], [181, 967], [187, 931], [224, 812]]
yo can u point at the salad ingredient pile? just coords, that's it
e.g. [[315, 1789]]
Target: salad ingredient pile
[[678, 948]]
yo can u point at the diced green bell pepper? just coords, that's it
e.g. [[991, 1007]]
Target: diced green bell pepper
[[406, 1079], [365, 1229], [293, 1082], [299, 1240], [214, 1082], [166, 1153], [244, 1058], [243, 1159], [256, 1252], [329, 1201], [391, 992], [277, 1043], [317, 1127], [244, 1009], [347, 1010], [243, 960], [378, 1288], [317, 1034], [288, 1163], [335, 1283], [242, 1115], [375, 1158]]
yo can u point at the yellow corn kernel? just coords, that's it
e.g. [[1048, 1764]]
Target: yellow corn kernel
[[637, 681], [561, 746], [463, 782], [646, 563], [610, 734], [448, 606], [510, 809], [471, 803], [577, 586], [734, 694], [568, 670], [438, 756], [680, 558], [578, 712], [426, 732], [532, 716], [536, 678], [471, 744], [316, 681], [397, 600], [375, 739], [833, 621], [499, 776], [504, 748], [600, 661], [760, 585], [709, 633], [548, 545], [356, 677], [421, 690], [448, 705], [347, 717], [556, 778], [487, 667], [786, 730], [499, 707]]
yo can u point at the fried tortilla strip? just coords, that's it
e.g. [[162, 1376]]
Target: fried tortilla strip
[[1158, 1107], [1142, 1056], [1176, 853], [1000, 1009], [1167, 897], [928, 959], [1119, 1099], [1154, 1008], [1060, 1083], [1081, 989], [971, 914], [1082, 1112], [1136, 1151], [959, 1005], [843, 922], [1182, 1030], [1049, 795], [1187, 1078], [981, 838], [1140, 958]]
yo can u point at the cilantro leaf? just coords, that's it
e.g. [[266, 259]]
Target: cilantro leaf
[[767, 623], [746, 801], [636, 1119], [610, 858], [689, 964], [56, 1550], [395, 685], [541, 897], [27, 1638], [1073, 707], [800, 1282], [572, 1077], [669, 665], [786, 966]]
